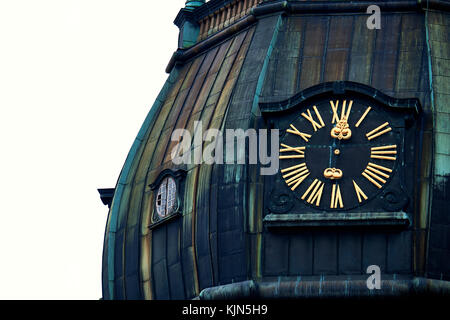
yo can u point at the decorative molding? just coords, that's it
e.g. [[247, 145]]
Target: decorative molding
[[180, 173], [370, 219], [217, 16], [221, 14], [328, 287], [182, 55], [339, 87], [106, 195]]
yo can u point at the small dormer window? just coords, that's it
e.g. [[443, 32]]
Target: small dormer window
[[168, 191], [166, 197]]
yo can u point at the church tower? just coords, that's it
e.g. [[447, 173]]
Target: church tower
[[338, 170]]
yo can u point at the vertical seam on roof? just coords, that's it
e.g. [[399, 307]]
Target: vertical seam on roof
[[254, 112], [262, 75], [433, 117]]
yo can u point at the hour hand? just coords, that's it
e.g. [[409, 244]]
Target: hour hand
[[342, 130]]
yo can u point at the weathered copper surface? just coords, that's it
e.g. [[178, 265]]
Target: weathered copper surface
[[220, 237]]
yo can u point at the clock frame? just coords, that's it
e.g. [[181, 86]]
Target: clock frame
[[346, 157]]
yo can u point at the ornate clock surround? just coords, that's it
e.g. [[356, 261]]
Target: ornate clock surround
[[386, 204]]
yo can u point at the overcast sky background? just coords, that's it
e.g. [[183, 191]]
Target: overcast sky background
[[77, 78]]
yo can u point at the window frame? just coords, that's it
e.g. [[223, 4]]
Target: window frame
[[178, 177]]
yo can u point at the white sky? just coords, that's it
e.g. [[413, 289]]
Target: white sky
[[77, 78]]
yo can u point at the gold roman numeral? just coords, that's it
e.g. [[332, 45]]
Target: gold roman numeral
[[295, 131], [336, 198], [300, 152], [363, 117], [384, 152], [359, 192], [310, 118], [344, 113], [315, 191], [372, 174], [380, 167], [376, 132], [295, 175]]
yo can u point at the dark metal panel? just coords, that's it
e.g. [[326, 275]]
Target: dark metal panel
[[336, 65], [338, 48], [132, 251], [363, 42], [132, 287], [159, 263], [385, 54], [173, 242], [410, 56], [399, 252], [175, 271], [230, 217], [159, 244], [350, 249], [374, 251], [231, 241], [325, 253], [276, 254], [176, 282], [339, 37], [119, 293], [203, 230], [232, 268], [286, 60], [105, 280], [301, 254], [123, 209], [311, 71], [315, 36], [186, 233], [438, 263], [118, 264], [134, 208], [160, 280], [203, 208], [205, 272], [187, 258], [213, 241], [283, 68]]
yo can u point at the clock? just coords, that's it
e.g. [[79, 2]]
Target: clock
[[348, 157], [338, 153]]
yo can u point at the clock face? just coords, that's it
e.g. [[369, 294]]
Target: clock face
[[338, 153]]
